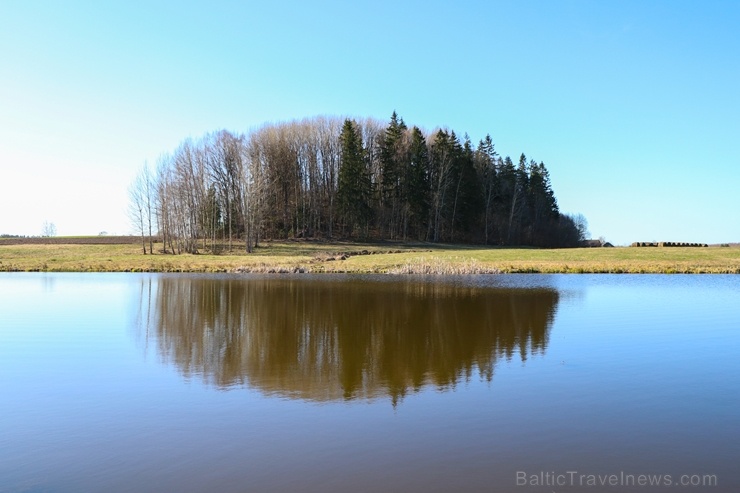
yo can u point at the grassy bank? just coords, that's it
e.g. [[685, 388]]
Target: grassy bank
[[392, 258]]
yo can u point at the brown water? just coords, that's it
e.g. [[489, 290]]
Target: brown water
[[122, 382]]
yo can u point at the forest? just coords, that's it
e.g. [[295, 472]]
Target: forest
[[341, 178]]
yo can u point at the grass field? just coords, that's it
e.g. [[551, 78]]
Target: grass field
[[387, 257]]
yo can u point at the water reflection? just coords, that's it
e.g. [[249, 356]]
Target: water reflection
[[327, 339]]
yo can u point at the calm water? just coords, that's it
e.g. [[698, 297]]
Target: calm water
[[123, 382]]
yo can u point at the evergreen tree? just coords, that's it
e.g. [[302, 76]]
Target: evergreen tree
[[543, 209], [393, 187], [485, 164], [418, 183], [354, 188], [506, 197], [468, 192], [441, 166], [518, 217]]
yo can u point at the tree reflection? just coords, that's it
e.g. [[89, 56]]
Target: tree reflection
[[325, 339]]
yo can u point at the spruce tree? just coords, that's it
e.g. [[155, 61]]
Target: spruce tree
[[418, 183], [470, 192], [393, 173], [485, 164], [354, 188], [543, 208]]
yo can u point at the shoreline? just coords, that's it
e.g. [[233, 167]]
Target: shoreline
[[393, 258]]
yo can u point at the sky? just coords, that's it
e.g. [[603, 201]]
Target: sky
[[633, 106]]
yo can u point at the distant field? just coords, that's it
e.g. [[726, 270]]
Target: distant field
[[72, 240], [123, 254]]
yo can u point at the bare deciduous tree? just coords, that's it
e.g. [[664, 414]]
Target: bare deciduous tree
[[137, 206], [48, 229]]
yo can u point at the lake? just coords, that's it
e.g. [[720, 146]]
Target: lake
[[320, 383]]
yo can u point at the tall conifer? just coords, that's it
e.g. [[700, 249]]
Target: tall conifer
[[354, 188]]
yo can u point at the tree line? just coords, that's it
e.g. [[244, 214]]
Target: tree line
[[345, 178]]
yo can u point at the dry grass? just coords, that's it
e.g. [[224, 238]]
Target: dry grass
[[582, 260], [392, 258], [438, 266]]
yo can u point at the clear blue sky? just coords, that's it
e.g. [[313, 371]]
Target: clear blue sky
[[634, 106]]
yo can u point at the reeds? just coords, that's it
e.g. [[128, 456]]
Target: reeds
[[443, 267]]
